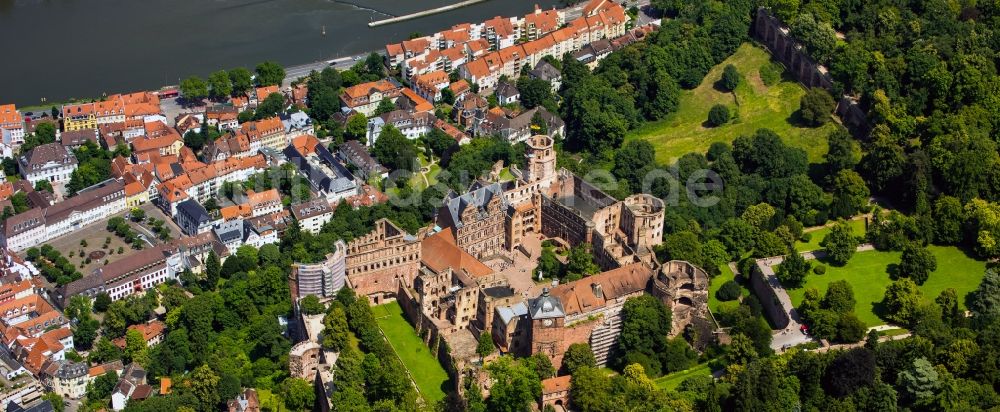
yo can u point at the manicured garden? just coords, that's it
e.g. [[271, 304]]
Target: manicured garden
[[868, 274], [417, 357], [753, 104]]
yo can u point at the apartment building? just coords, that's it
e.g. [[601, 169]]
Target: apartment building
[[364, 98], [49, 162], [11, 129], [312, 215], [41, 224], [133, 274]]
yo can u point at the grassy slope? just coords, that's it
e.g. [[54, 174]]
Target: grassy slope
[[714, 304], [817, 236], [423, 366], [759, 106], [867, 273], [671, 381]]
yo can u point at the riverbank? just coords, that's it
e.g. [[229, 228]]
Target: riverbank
[[213, 36]]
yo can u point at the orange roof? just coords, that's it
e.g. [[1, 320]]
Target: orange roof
[[579, 297], [9, 114], [239, 101], [145, 144], [365, 89], [513, 53], [232, 212], [417, 45], [394, 49], [305, 144], [165, 384], [133, 189], [453, 53], [439, 253], [419, 103], [148, 330], [264, 92], [557, 384], [267, 196], [543, 21], [477, 47], [538, 46], [430, 80], [500, 25], [459, 87], [478, 68], [562, 35]]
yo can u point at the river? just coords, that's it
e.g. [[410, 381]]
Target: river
[[63, 49]]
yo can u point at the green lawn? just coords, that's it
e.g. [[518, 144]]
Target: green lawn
[[867, 273], [714, 304], [423, 366], [270, 401], [673, 380], [817, 235], [753, 105]]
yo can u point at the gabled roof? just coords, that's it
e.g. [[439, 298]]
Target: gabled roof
[[439, 252], [593, 292]]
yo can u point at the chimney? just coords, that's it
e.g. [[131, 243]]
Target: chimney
[[598, 290]]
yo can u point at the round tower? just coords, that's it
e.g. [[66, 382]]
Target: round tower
[[541, 158]]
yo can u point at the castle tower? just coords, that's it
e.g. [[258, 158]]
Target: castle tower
[[541, 158], [547, 321]]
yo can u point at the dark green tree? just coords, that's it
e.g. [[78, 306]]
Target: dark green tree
[[730, 78], [793, 270], [916, 263], [816, 106], [270, 73], [840, 243], [718, 115], [578, 355]]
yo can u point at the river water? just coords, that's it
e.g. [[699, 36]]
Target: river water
[[61, 49]]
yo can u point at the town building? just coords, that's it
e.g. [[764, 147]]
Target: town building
[[131, 386], [312, 215], [507, 93], [222, 116], [193, 218], [354, 153], [518, 126], [152, 333], [51, 162], [11, 129], [326, 175], [321, 279], [476, 219], [547, 72], [429, 85], [116, 108], [246, 401], [133, 274], [411, 125], [268, 132], [297, 124], [45, 222], [364, 98], [68, 379], [73, 140]]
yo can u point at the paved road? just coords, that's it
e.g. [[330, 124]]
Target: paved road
[[791, 335]]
